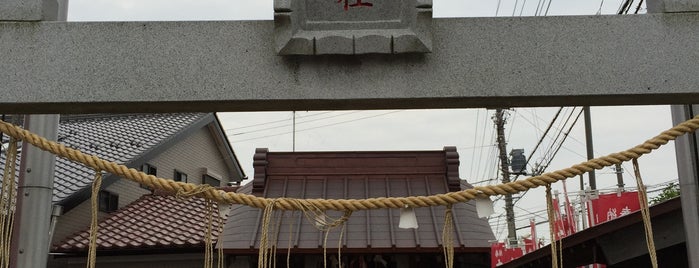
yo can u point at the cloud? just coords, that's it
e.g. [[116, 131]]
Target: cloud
[[168, 10]]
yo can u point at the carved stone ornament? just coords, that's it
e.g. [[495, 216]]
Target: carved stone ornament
[[316, 27]]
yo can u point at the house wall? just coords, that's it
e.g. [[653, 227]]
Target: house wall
[[193, 155]]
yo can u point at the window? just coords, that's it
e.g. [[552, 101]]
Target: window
[[180, 176], [108, 201], [150, 170], [208, 179]]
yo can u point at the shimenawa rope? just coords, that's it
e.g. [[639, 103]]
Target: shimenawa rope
[[352, 204], [317, 206]]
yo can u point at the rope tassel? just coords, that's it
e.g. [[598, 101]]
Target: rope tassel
[[8, 195], [448, 238], [92, 251], [645, 213], [552, 230]]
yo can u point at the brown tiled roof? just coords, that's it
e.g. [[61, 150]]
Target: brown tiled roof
[[358, 175], [152, 222]]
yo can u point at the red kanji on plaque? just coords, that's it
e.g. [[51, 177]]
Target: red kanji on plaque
[[359, 3]]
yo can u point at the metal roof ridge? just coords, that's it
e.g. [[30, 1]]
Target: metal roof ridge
[[218, 129]]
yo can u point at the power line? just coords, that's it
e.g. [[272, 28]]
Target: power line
[[293, 124], [522, 10], [475, 140], [480, 159], [547, 8], [558, 136], [474, 147], [542, 168], [558, 129], [638, 7], [317, 127], [275, 121], [555, 117], [498, 8]]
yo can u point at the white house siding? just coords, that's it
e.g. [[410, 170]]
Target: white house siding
[[192, 155], [75, 220]]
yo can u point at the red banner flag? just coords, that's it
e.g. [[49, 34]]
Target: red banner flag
[[558, 222], [570, 227], [500, 254], [611, 206], [535, 239]]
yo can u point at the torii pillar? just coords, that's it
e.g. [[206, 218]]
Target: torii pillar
[[30, 236], [685, 146]]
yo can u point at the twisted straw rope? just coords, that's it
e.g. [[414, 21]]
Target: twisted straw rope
[[352, 204], [645, 214]]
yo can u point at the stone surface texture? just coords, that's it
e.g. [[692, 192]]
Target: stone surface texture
[[233, 66], [350, 27], [29, 10], [660, 6], [20, 10]]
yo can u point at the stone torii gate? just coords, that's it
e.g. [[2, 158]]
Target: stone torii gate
[[108, 67]]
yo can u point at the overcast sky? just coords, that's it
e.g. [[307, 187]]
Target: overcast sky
[[471, 130]]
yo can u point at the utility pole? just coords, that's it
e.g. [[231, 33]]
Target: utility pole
[[588, 142], [505, 169], [619, 176]]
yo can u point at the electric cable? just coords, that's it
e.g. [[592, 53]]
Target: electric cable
[[288, 125], [317, 127]]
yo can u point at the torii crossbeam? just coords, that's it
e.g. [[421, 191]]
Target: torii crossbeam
[[87, 67]]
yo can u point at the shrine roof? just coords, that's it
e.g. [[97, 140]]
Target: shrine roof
[[357, 175]]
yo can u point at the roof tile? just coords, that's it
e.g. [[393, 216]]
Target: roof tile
[[151, 222], [358, 175], [98, 135]]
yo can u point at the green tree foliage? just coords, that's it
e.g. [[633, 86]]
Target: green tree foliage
[[670, 192]]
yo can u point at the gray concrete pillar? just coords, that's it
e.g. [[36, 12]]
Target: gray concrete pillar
[[687, 168]]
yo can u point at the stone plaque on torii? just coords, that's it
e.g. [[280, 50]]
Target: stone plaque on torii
[[315, 27]]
